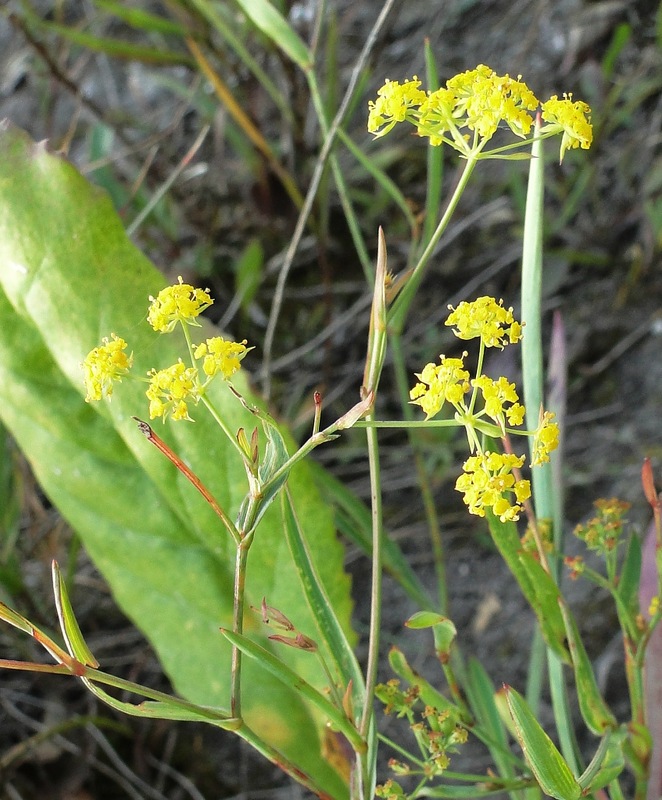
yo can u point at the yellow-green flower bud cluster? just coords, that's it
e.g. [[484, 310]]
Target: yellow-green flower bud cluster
[[603, 532]]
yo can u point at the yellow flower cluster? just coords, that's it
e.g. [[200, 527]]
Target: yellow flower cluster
[[546, 439], [478, 100], [392, 103], [573, 118], [486, 319], [103, 365], [179, 303], [485, 99], [221, 356], [495, 396], [448, 381], [487, 482], [171, 390]]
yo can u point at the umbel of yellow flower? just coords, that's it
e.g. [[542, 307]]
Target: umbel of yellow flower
[[478, 100], [221, 356], [487, 482], [448, 381], [573, 118], [103, 365], [179, 303], [171, 389], [487, 320]]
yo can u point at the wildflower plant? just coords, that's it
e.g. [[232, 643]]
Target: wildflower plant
[[297, 693]]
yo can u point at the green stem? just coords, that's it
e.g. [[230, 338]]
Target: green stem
[[432, 518], [239, 595], [532, 378], [405, 423], [376, 586], [400, 308], [277, 758], [205, 400]]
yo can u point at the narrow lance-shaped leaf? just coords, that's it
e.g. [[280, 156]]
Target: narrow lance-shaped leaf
[[547, 764], [480, 694], [537, 586], [270, 662], [271, 22], [595, 713], [334, 638], [76, 644], [607, 763]]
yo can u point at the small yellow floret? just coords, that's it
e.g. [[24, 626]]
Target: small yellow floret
[[171, 389], [393, 101], [545, 439], [573, 118], [486, 319], [448, 381], [495, 396], [221, 356], [103, 365], [179, 303], [487, 481]]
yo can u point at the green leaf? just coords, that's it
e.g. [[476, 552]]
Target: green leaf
[[274, 25], [335, 716], [76, 644], [537, 586], [68, 277], [628, 584], [249, 270], [140, 19], [594, 710], [329, 628], [354, 521], [607, 763], [115, 48], [471, 792], [426, 619], [428, 694], [547, 764], [480, 693]]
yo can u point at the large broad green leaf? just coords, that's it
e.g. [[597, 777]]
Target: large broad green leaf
[[69, 276]]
